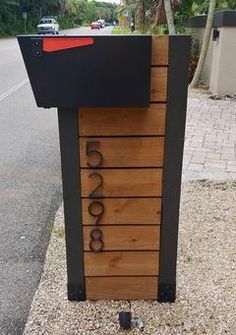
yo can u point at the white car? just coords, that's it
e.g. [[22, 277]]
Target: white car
[[102, 23], [48, 26]]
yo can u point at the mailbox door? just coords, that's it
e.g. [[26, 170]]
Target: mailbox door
[[88, 71]]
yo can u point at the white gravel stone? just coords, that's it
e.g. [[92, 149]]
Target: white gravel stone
[[206, 277]]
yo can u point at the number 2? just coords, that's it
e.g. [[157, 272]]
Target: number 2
[[100, 184]]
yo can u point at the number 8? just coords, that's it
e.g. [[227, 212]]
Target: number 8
[[96, 244]]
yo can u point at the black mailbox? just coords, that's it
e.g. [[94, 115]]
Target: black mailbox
[[88, 71]]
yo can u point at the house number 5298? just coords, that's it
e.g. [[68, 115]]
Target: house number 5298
[[96, 208]]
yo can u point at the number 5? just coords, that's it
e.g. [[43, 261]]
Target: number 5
[[92, 152]]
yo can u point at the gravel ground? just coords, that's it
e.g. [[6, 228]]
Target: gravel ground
[[206, 279]]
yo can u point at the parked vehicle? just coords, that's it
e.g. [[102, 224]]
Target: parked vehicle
[[48, 25], [101, 22], [95, 25]]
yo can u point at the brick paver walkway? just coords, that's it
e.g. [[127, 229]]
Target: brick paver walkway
[[210, 140]]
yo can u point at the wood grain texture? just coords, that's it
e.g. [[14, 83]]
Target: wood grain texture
[[130, 211], [160, 47], [123, 151], [121, 263], [125, 237], [122, 121], [158, 84], [121, 288], [122, 182]]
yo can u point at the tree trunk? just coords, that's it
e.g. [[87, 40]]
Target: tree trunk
[[169, 17], [205, 45], [140, 15]]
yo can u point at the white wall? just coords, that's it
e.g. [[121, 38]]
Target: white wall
[[223, 72], [219, 72]]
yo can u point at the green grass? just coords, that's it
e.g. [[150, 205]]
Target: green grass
[[121, 30], [60, 232]]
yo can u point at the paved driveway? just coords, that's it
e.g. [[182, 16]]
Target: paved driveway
[[210, 141]]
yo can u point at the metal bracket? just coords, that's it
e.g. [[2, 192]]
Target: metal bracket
[[37, 46], [215, 34], [167, 292]]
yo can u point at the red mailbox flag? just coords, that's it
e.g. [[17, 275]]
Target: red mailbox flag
[[62, 43]]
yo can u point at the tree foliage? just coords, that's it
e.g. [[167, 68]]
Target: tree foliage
[[197, 7], [151, 14], [68, 13]]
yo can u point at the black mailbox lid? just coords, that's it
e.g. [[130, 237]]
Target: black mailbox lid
[[88, 71]]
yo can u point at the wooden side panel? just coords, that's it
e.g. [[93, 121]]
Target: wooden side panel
[[121, 288], [123, 151], [160, 47], [125, 237], [121, 182], [122, 121], [158, 84], [121, 263], [136, 211]]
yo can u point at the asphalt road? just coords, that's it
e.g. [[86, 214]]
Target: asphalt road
[[30, 186]]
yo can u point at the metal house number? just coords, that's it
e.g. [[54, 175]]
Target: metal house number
[[96, 208]]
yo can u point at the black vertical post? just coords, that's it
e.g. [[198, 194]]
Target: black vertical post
[[179, 49], [70, 161]]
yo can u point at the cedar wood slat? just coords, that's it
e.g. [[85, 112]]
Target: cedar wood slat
[[160, 47], [158, 91], [123, 151], [130, 211], [122, 121], [122, 182], [121, 263], [125, 237], [121, 288]]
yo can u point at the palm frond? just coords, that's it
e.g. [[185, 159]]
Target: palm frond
[[158, 12], [126, 10]]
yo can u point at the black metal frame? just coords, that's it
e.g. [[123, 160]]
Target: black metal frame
[[179, 47], [225, 18], [70, 161]]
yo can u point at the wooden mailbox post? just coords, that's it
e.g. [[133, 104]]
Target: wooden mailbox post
[[121, 170]]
